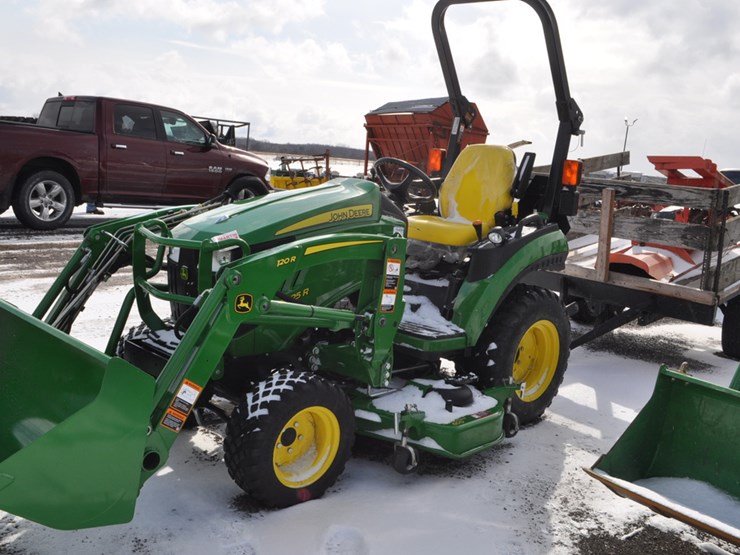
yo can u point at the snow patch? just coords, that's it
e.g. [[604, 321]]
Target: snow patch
[[341, 540], [367, 415], [419, 310], [695, 499], [432, 403]]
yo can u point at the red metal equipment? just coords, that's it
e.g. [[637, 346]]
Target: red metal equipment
[[410, 129], [707, 174]]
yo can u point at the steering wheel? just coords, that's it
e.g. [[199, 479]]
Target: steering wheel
[[425, 190]]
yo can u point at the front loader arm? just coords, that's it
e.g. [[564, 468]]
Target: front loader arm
[[104, 250]]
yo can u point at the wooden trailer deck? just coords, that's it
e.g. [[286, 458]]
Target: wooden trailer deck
[[702, 242]]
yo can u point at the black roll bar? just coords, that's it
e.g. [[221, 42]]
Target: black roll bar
[[569, 114]]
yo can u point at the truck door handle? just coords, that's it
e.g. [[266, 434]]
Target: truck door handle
[[118, 145], [177, 152]]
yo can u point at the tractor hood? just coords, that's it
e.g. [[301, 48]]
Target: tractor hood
[[282, 216]]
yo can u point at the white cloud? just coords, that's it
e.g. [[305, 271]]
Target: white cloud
[[312, 68], [216, 19]]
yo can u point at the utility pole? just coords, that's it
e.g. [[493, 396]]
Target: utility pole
[[627, 126]]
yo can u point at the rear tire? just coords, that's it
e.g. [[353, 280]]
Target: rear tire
[[44, 201], [731, 329], [527, 340], [289, 440]]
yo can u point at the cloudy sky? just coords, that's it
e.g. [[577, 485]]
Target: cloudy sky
[[308, 70]]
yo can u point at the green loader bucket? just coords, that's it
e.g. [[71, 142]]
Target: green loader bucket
[[73, 424], [681, 454]]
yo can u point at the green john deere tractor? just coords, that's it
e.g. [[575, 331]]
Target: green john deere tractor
[[301, 318]]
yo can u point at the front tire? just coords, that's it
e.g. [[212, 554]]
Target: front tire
[[527, 340], [44, 201], [244, 188], [289, 440]]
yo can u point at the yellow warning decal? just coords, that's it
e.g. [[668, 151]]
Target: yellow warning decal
[[243, 303], [181, 406], [332, 216], [330, 246]]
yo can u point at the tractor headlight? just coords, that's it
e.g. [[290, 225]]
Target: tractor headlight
[[497, 236]]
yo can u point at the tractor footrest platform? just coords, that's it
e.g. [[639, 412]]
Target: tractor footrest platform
[[430, 330]]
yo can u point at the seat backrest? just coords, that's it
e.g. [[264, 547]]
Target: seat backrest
[[478, 185]]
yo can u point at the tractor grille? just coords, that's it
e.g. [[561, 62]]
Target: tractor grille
[[182, 277]]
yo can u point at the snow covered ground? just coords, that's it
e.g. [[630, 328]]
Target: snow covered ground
[[527, 496]]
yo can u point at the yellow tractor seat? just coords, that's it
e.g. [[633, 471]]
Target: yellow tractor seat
[[477, 186]]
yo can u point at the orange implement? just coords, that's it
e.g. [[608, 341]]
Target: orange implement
[[705, 171], [654, 264]]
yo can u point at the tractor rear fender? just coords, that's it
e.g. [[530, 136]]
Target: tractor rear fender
[[496, 270]]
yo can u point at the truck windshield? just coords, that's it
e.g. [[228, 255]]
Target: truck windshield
[[75, 115]]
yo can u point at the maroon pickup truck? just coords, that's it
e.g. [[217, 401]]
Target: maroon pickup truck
[[105, 150]]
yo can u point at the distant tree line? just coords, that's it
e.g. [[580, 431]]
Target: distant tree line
[[306, 149]]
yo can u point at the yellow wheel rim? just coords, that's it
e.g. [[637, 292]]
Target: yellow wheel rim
[[536, 359], [306, 447]]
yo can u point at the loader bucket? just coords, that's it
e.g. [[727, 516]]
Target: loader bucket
[[73, 425], [681, 454]]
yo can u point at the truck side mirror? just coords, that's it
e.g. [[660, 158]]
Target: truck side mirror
[[210, 141]]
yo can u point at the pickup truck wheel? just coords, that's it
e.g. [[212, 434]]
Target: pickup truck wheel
[[731, 328], [44, 201], [289, 440], [245, 187], [527, 341]]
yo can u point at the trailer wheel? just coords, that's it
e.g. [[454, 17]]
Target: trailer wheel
[[289, 440], [528, 341], [731, 328], [245, 187], [44, 201]]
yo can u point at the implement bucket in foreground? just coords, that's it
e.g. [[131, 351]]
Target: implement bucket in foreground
[[73, 425], [681, 454]]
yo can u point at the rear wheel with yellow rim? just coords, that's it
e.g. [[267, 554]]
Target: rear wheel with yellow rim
[[290, 439], [527, 340]]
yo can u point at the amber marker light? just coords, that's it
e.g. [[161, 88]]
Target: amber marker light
[[572, 171], [434, 160]]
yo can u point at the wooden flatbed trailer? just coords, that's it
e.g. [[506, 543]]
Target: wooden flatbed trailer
[[701, 240]]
